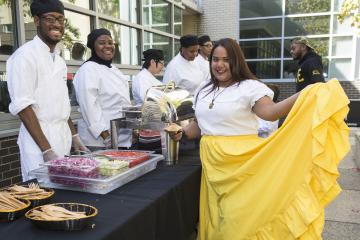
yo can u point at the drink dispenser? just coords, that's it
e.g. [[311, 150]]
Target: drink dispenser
[[163, 105]]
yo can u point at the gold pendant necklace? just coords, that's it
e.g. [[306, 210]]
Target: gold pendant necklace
[[211, 105]]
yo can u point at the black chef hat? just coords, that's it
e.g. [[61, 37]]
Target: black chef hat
[[91, 38], [154, 54], [39, 7], [204, 39], [189, 40]]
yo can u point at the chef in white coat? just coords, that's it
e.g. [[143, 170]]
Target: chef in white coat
[[182, 69], [101, 91], [36, 77], [145, 79], [202, 59]]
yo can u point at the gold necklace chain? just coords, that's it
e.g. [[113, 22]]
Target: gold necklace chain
[[211, 105]]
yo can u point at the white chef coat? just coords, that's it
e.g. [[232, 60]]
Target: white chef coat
[[141, 83], [203, 65], [101, 93], [186, 74], [232, 113], [38, 80]]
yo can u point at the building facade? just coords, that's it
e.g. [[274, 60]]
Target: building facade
[[264, 30]]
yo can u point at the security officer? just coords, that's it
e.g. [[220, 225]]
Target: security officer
[[311, 68]]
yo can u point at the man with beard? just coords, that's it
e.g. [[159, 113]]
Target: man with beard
[[311, 68], [182, 69], [36, 76]]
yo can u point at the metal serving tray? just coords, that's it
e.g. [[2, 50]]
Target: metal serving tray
[[100, 185]]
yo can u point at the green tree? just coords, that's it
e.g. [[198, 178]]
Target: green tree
[[350, 9]]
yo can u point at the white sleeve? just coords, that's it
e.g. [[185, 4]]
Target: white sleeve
[[258, 90], [169, 74], [22, 82], [86, 83]]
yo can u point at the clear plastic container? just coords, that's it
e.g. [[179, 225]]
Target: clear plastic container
[[99, 185], [133, 157], [77, 166]]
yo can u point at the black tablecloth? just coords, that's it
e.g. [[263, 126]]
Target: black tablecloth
[[162, 204]]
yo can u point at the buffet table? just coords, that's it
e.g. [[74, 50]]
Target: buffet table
[[162, 204]]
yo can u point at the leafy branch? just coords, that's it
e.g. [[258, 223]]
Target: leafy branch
[[350, 9]]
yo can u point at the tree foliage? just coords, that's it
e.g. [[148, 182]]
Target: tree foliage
[[350, 9]]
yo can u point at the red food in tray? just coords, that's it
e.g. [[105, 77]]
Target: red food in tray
[[147, 133], [133, 157]]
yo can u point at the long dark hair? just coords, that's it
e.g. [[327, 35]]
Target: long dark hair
[[238, 67]]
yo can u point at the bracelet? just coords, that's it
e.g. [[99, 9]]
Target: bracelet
[[75, 135], [46, 151]]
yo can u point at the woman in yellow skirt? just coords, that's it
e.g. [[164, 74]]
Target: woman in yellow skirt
[[274, 188]]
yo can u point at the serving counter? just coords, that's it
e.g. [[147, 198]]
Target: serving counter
[[162, 204]]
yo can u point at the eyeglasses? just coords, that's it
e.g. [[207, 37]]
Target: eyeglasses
[[52, 20]]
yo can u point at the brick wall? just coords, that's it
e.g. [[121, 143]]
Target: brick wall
[[220, 20], [190, 24], [9, 161]]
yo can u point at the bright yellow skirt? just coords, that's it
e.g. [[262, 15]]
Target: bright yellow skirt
[[276, 188]]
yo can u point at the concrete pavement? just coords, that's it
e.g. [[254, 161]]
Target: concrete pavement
[[343, 214]]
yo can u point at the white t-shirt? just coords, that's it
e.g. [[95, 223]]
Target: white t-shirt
[[231, 114], [186, 74], [141, 83]]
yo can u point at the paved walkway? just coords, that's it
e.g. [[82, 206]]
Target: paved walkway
[[343, 214]]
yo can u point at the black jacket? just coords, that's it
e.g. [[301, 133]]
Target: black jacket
[[310, 71]]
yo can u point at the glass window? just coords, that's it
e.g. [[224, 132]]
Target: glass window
[[177, 46], [80, 3], [338, 4], [111, 8], [122, 9], [265, 69], [177, 21], [342, 46], [30, 29], [301, 26], [339, 68], [306, 6], [75, 37], [321, 46], [261, 49], [156, 14], [4, 94], [260, 8], [7, 28], [342, 28], [126, 42], [260, 28], [152, 40]]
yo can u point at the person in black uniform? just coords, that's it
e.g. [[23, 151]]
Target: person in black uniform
[[310, 66]]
